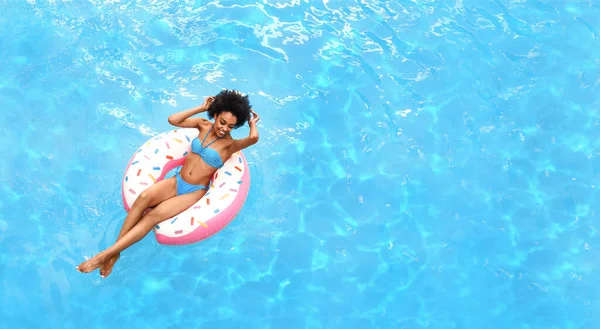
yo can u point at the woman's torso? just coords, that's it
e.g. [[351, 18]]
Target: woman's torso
[[196, 170]]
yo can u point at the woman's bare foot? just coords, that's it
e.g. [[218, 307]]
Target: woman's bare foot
[[106, 269], [91, 264]]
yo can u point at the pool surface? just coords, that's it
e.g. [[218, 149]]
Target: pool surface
[[421, 164]]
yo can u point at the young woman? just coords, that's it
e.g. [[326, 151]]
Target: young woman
[[169, 197]]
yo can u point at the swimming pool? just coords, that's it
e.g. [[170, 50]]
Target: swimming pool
[[421, 163]]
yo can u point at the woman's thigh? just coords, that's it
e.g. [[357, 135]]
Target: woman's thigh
[[174, 206], [159, 192]]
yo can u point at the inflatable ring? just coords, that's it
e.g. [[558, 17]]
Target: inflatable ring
[[225, 197]]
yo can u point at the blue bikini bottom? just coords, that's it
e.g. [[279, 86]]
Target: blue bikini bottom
[[184, 187]]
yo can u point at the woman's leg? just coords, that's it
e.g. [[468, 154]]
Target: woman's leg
[[150, 197], [164, 210]]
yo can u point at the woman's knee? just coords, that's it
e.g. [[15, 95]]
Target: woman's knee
[[144, 199], [156, 193], [144, 196]]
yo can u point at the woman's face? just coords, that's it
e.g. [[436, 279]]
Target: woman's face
[[224, 123]]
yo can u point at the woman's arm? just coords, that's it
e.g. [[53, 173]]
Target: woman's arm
[[183, 119], [240, 144]]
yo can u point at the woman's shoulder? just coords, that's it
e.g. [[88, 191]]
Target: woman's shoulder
[[203, 125]]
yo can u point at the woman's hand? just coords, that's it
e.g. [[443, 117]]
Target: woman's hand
[[240, 144], [207, 103], [255, 118]]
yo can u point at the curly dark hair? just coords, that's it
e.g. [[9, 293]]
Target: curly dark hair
[[233, 102]]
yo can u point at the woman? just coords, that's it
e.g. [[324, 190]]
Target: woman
[[169, 197]]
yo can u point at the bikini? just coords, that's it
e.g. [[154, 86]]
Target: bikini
[[208, 155]]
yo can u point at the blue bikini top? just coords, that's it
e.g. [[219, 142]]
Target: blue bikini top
[[210, 156]]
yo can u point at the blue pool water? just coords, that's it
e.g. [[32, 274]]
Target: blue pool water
[[421, 163]]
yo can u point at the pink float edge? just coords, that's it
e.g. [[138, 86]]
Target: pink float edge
[[217, 223]]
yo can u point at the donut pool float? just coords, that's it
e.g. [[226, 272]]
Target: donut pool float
[[157, 158]]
